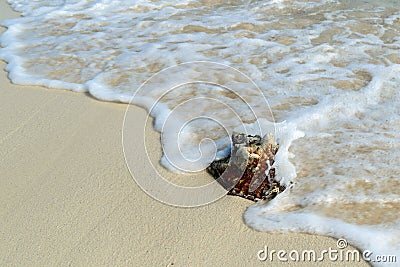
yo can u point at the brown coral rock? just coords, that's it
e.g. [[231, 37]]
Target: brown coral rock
[[248, 172]]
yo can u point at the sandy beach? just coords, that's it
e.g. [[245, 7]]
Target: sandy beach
[[67, 197]]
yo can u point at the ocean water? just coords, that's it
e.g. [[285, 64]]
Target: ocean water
[[326, 71]]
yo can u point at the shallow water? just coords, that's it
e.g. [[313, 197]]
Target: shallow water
[[328, 68]]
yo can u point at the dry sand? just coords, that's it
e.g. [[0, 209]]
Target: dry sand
[[67, 197]]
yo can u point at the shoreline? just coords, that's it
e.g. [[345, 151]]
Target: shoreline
[[68, 198]]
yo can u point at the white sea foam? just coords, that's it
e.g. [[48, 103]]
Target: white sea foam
[[329, 69]]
